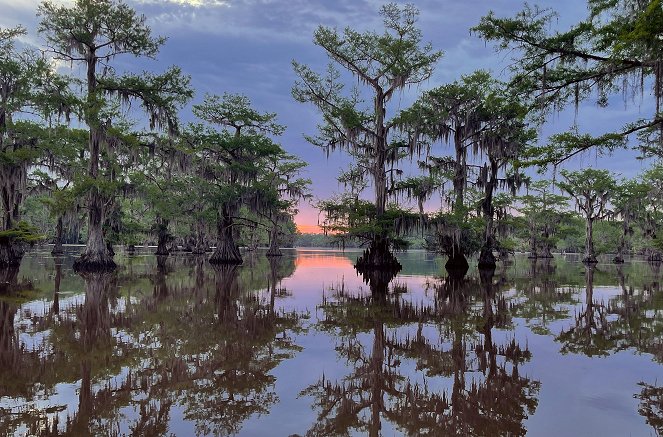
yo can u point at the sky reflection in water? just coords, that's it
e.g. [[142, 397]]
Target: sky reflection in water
[[301, 345]]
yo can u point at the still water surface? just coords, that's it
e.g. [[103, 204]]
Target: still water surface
[[302, 346]]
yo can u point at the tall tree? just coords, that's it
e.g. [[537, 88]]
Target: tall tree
[[91, 34], [384, 64], [592, 190]]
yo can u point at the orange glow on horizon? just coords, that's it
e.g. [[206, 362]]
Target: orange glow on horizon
[[312, 260], [309, 229]]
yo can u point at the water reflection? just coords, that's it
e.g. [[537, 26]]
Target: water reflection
[[175, 346], [488, 395]]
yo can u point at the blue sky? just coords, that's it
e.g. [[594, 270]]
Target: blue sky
[[246, 46]]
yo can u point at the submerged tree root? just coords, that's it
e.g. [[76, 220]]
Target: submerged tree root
[[92, 263], [226, 254]]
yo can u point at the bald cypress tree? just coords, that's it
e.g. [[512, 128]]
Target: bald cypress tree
[[91, 34], [383, 64]]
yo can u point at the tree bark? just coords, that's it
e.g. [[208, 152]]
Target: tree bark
[[274, 240], [163, 238], [619, 259], [487, 258], [11, 252], [96, 256], [58, 249], [200, 247], [590, 254], [226, 251]]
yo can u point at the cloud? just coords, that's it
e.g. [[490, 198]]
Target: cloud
[[194, 3]]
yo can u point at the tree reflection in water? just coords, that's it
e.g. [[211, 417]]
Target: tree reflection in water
[[204, 343], [488, 396]]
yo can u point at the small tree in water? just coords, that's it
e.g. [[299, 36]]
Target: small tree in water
[[385, 64], [543, 211], [92, 33], [592, 190]]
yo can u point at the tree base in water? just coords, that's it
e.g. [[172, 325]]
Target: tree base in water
[[590, 260], [457, 265], [274, 251], [378, 257], [94, 263], [57, 249], [226, 254], [618, 260], [487, 259]]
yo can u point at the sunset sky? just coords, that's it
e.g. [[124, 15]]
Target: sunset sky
[[246, 46]]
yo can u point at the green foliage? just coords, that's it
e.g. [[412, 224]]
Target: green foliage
[[21, 233], [614, 51]]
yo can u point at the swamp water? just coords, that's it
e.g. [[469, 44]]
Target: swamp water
[[301, 346]]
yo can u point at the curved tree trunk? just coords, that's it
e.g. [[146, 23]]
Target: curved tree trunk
[[274, 240], [226, 251], [58, 249]]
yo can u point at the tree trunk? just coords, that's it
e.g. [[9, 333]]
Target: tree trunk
[[590, 254], [200, 247], [163, 238], [533, 253], [619, 259], [226, 251], [487, 258], [274, 240], [58, 249], [457, 264], [11, 252], [96, 256]]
